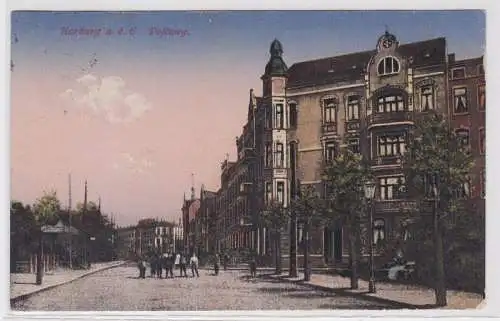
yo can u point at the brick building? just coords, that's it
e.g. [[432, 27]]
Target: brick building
[[365, 101]]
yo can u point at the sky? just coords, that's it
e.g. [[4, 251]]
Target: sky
[[153, 97]]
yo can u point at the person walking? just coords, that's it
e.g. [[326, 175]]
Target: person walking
[[169, 265], [253, 267], [159, 266], [142, 268], [194, 265], [182, 264], [177, 261], [216, 264], [225, 261]]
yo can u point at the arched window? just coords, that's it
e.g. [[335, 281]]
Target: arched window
[[427, 98], [388, 65]]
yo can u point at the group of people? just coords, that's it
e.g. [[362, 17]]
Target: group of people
[[168, 262]]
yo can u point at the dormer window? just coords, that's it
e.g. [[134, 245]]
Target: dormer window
[[458, 73], [387, 66]]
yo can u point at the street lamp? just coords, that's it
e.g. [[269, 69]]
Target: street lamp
[[369, 195]]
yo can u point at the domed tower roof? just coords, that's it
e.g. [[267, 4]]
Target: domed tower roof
[[276, 65]]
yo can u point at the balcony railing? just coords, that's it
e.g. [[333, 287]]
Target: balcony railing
[[389, 117], [329, 128], [352, 125], [395, 206], [386, 160]]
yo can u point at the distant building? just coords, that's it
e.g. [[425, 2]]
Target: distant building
[[149, 235]]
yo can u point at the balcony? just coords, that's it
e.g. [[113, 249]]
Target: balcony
[[352, 126], [388, 118], [386, 161], [394, 206], [329, 128]]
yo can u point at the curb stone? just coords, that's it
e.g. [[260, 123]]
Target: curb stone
[[343, 292], [27, 295]]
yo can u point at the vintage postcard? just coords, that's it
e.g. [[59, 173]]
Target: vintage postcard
[[247, 160]]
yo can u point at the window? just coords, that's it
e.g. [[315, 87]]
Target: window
[[353, 145], [392, 103], [378, 231], [458, 73], [279, 155], [352, 108], [280, 189], [482, 141], [388, 65], [391, 145], [463, 191], [279, 116], [269, 118], [329, 151], [427, 98], [481, 97], [460, 100], [462, 137], [269, 158], [330, 108], [480, 69], [391, 187], [293, 115]]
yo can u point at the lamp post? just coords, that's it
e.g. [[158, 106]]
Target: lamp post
[[369, 195]]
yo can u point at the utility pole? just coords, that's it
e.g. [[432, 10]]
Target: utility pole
[[70, 223]]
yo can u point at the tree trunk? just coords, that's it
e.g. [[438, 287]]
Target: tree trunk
[[307, 269], [440, 286], [278, 252], [353, 251], [39, 260], [293, 247]]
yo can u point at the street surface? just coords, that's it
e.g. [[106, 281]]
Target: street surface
[[119, 289]]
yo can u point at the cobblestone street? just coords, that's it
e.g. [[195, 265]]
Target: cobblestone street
[[119, 289]]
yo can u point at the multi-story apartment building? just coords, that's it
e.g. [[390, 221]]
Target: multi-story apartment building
[[164, 236], [365, 101], [467, 110]]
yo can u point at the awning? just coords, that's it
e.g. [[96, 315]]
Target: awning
[[60, 228]]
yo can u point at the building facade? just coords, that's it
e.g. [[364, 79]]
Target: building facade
[[367, 102]]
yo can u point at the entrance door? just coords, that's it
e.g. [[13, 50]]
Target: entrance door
[[337, 244]]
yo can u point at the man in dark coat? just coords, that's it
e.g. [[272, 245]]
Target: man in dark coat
[[183, 265]]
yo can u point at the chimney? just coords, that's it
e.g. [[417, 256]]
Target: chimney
[[451, 58]]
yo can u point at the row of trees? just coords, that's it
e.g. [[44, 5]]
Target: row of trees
[[26, 222], [437, 170]]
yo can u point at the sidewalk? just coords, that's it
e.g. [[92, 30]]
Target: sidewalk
[[22, 285], [405, 296]]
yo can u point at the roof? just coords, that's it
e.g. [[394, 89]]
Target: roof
[[210, 194], [350, 67], [463, 62]]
